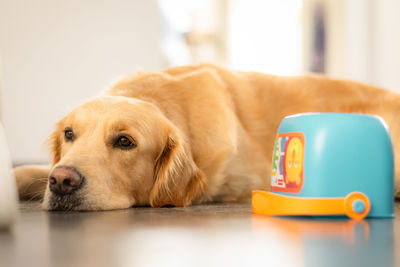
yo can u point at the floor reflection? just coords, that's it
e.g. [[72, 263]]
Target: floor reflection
[[209, 235], [336, 242]]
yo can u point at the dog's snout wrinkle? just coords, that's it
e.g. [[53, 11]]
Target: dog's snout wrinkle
[[65, 180]]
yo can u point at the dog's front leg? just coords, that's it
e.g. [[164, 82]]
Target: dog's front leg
[[31, 181]]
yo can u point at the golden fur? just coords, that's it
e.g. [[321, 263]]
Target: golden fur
[[203, 134]]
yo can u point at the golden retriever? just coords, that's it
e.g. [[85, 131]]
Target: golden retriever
[[188, 135]]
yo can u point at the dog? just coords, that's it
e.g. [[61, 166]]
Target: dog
[[187, 135]]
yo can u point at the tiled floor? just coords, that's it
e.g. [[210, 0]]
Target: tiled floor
[[214, 235]]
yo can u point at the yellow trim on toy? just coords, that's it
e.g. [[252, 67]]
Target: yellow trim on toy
[[356, 205]]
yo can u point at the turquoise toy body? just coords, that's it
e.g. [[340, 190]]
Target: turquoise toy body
[[332, 164]]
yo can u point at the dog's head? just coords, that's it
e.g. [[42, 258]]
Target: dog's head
[[117, 152]]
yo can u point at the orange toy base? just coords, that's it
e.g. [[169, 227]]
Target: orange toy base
[[269, 203]]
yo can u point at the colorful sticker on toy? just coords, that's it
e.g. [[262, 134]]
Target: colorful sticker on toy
[[287, 162]]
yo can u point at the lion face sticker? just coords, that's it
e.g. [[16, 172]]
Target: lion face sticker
[[293, 162]]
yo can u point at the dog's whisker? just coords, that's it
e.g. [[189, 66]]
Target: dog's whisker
[[35, 196]]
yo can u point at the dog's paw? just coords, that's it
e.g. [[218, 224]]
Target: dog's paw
[[31, 181]]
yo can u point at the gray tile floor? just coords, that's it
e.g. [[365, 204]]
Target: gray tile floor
[[212, 235]]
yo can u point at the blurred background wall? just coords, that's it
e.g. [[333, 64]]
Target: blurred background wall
[[56, 54]]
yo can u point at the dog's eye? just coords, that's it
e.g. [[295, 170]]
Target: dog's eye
[[69, 135], [124, 142]]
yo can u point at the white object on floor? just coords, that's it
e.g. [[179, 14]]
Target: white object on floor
[[8, 193]]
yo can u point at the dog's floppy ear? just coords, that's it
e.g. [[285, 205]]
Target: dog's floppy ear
[[177, 178], [54, 143]]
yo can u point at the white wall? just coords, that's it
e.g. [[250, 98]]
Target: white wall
[[56, 54], [386, 47], [363, 40], [372, 41]]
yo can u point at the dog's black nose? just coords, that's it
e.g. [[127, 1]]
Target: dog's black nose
[[65, 180]]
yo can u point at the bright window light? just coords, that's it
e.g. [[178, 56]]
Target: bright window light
[[265, 36]]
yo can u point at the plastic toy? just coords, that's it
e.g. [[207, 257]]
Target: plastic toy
[[330, 164]]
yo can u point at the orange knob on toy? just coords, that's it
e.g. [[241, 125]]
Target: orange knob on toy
[[356, 205]]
